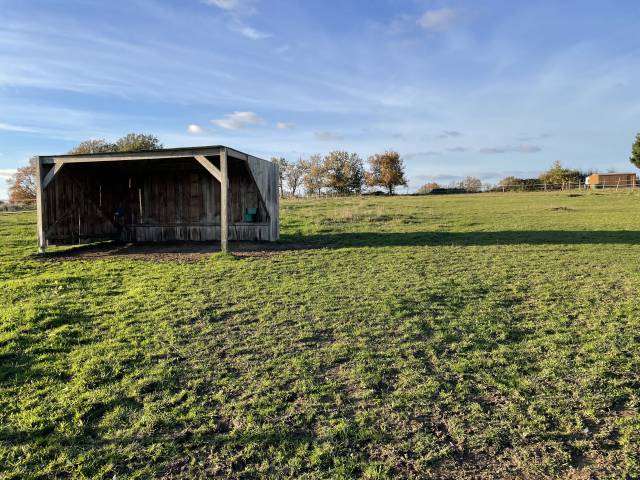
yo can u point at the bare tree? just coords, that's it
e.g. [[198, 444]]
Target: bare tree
[[313, 179], [471, 184], [283, 164], [294, 175]]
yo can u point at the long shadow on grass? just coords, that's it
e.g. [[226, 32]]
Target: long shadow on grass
[[536, 237], [193, 250]]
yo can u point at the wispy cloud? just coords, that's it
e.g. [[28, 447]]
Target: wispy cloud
[[450, 133], [249, 32], [511, 149], [237, 120], [225, 4], [529, 138], [327, 136], [438, 19], [457, 149], [284, 126], [237, 10], [428, 153], [16, 128]]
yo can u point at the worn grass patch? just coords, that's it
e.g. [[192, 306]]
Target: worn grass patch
[[474, 336]]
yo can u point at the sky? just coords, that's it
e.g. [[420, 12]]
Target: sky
[[487, 88]]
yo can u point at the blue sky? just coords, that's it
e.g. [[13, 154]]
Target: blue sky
[[486, 88]]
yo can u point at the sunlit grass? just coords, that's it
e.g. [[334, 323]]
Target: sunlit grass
[[466, 336]]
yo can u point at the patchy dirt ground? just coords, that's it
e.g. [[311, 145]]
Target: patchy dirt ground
[[174, 252]]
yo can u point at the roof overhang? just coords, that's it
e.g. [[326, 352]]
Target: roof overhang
[[165, 153]]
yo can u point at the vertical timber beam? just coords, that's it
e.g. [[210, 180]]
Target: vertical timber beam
[[42, 241], [224, 202]]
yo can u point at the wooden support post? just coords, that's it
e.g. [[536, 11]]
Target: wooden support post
[[42, 242], [224, 202]]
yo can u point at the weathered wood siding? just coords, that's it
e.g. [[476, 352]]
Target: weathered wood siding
[[266, 178], [156, 200]]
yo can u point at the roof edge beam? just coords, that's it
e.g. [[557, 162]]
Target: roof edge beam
[[119, 157]]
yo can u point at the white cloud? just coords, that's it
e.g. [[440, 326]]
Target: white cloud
[[224, 4], [249, 32], [284, 125], [6, 173], [195, 129], [439, 19], [237, 120]]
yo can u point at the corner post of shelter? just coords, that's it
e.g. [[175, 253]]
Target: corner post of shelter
[[42, 242], [224, 202]]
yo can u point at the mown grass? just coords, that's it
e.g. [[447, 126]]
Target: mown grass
[[478, 336]]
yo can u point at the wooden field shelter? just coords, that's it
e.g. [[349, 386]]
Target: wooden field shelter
[[606, 180], [200, 194]]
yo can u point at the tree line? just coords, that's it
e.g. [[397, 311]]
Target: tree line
[[340, 172], [554, 177]]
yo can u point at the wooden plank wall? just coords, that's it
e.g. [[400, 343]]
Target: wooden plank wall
[[266, 177], [172, 200]]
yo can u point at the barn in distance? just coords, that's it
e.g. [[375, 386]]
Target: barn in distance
[[198, 194]]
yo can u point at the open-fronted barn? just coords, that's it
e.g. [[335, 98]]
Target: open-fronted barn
[[178, 194]]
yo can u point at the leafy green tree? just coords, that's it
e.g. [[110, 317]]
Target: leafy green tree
[[635, 152], [558, 174], [387, 170], [99, 145], [344, 172], [133, 142]]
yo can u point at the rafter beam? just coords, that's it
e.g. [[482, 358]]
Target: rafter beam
[[211, 168], [51, 173]]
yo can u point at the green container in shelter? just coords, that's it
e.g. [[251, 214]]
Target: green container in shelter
[[252, 211], [249, 218]]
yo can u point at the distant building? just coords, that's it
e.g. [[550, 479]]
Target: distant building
[[604, 180]]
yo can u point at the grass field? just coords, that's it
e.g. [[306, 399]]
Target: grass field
[[473, 336]]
